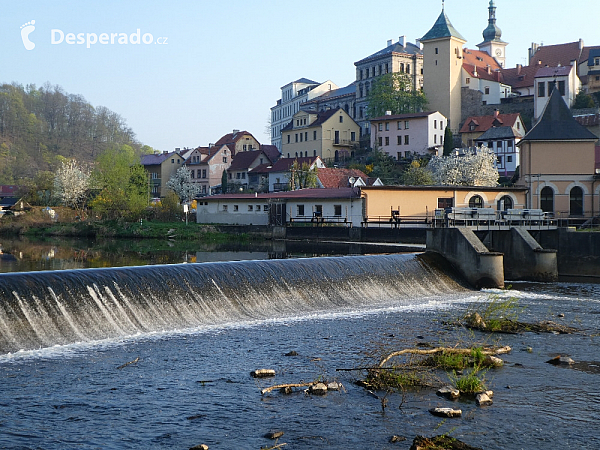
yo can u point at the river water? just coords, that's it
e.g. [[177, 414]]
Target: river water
[[192, 383]]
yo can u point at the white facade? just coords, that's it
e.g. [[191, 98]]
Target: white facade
[[292, 96], [564, 78], [493, 91], [404, 135]]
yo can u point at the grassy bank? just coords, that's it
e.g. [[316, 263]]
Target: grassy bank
[[37, 224]]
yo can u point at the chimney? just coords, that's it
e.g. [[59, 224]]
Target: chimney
[[519, 68], [389, 42], [496, 112], [580, 44], [236, 131], [177, 149], [489, 70], [211, 145], [402, 40], [418, 43]]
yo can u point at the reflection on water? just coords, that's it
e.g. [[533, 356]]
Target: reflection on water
[[24, 255]]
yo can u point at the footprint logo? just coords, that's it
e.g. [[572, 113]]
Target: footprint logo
[[26, 30]]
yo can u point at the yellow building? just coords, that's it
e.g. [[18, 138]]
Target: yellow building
[[558, 163], [329, 134], [442, 69], [420, 202]]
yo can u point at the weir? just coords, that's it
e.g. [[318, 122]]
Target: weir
[[42, 309]]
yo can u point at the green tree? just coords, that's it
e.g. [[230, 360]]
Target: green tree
[[448, 141], [224, 182], [302, 176], [394, 92], [583, 101], [417, 175], [122, 184]]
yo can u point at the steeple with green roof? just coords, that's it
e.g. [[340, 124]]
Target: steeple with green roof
[[442, 28]]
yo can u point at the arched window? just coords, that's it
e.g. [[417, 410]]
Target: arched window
[[476, 202], [505, 203], [337, 156], [547, 199], [576, 201]]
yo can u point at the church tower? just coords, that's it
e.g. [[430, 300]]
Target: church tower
[[492, 44], [442, 66]]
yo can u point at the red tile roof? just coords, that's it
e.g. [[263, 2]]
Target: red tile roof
[[484, 123], [520, 76], [299, 194], [232, 138], [243, 160], [556, 55], [553, 71], [338, 178], [480, 59], [271, 151]]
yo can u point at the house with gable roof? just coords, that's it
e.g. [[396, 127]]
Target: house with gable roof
[[562, 78], [558, 163], [239, 141], [330, 134], [207, 165], [160, 167], [240, 171]]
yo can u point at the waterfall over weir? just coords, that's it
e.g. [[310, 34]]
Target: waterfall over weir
[[42, 309]]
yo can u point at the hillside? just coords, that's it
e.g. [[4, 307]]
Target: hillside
[[38, 126]]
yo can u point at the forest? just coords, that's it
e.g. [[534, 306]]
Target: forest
[[42, 127]]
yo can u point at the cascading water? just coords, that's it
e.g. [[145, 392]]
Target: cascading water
[[41, 309]]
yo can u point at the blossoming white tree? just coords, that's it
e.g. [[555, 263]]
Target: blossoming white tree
[[181, 183], [471, 167], [71, 184]]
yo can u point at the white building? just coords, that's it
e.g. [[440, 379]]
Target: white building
[[405, 135], [292, 96], [563, 78], [343, 206]]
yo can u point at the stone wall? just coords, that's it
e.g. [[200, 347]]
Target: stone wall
[[472, 106]]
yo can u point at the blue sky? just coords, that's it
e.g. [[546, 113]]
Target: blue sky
[[224, 62]]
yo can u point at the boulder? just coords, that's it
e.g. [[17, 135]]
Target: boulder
[[274, 434], [483, 399], [474, 320], [448, 392], [286, 390], [318, 389], [334, 386], [561, 361], [492, 361], [199, 447], [440, 442], [263, 373], [446, 412], [292, 353], [395, 439]]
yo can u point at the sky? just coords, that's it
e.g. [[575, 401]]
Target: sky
[[203, 68]]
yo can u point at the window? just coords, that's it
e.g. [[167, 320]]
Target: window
[[341, 119], [387, 140], [499, 145], [243, 175], [224, 159], [561, 87], [235, 208], [204, 190], [203, 173], [399, 140], [407, 68], [296, 137], [230, 176], [445, 202], [467, 80], [406, 140], [306, 135], [299, 210], [288, 136], [508, 158], [380, 127], [487, 89], [541, 89], [225, 208], [192, 174], [406, 124], [435, 138], [337, 210], [319, 210], [387, 126], [576, 201], [353, 136], [435, 124], [238, 175], [172, 161], [547, 199], [250, 207], [436, 50], [399, 124], [258, 208], [380, 141], [314, 153], [245, 147], [476, 201], [505, 203], [315, 135]]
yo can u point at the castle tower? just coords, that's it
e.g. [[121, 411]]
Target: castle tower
[[492, 44], [442, 66]]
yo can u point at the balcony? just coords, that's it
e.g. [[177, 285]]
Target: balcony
[[344, 142]]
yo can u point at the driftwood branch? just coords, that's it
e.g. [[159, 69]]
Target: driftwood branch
[[274, 447], [280, 386], [128, 363], [455, 351]]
